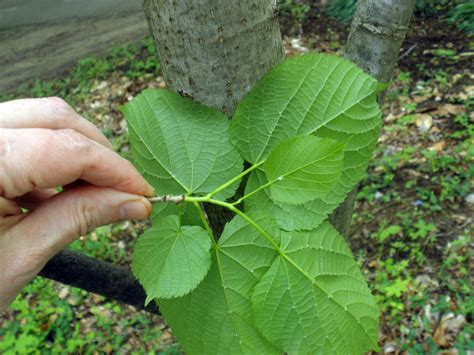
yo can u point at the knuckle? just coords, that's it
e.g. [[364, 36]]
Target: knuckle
[[57, 104], [46, 141], [74, 140], [12, 174], [85, 219], [59, 109]]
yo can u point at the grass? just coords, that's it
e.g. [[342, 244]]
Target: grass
[[459, 12], [412, 205], [45, 321], [131, 60]]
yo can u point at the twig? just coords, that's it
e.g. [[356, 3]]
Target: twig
[[408, 51], [167, 198]]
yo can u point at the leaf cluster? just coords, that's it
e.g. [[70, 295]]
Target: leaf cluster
[[280, 278]]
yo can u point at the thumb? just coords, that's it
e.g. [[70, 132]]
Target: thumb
[[64, 217]]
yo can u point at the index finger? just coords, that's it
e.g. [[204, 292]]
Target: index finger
[[48, 112], [43, 158]]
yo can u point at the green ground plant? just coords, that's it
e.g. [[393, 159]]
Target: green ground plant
[[295, 9], [460, 13], [134, 60], [463, 16]]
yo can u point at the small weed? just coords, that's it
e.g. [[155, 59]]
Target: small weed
[[294, 8], [391, 285], [463, 16], [446, 53]]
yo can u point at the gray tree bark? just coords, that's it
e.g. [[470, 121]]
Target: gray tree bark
[[377, 33], [215, 51]]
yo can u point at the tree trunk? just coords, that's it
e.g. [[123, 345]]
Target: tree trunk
[[377, 33], [215, 51]]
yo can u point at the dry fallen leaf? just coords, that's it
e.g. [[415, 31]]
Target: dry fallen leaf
[[390, 117], [449, 109], [423, 122], [64, 292], [438, 146], [447, 329], [452, 351], [418, 99]]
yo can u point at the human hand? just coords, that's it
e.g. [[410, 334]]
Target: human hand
[[45, 144]]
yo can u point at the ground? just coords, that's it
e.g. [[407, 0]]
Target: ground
[[412, 226], [60, 45]]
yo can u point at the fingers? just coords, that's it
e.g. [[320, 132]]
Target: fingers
[[49, 112], [34, 198], [68, 215], [30, 240], [8, 208], [42, 158]]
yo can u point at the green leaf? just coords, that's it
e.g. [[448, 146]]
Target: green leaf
[[216, 317], [310, 214], [383, 86], [303, 168], [171, 260], [181, 146], [289, 217], [312, 93], [187, 213], [311, 125], [313, 298]]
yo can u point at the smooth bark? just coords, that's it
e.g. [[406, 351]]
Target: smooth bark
[[377, 33], [215, 51]]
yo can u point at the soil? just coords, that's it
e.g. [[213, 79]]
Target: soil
[[426, 34], [46, 51]]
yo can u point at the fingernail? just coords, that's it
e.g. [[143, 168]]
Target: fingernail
[[135, 209], [151, 191]]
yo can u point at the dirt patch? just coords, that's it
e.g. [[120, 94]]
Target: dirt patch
[[45, 51], [427, 36]]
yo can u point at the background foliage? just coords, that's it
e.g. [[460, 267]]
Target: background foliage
[[459, 12]]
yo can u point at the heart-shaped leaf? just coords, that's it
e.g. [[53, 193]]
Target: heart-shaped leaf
[[181, 146], [216, 317], [171, 260]]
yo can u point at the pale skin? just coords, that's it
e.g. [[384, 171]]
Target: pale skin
[[45, 144]]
